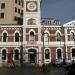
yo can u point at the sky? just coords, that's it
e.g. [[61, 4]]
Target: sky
[[62, 10]]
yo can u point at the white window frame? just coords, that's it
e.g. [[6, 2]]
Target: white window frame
[[6, 54], [14, 54], [56, 34], [19, 35], [61, 53], [7, 35]]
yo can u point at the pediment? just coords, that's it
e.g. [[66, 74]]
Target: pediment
[[70, 24]]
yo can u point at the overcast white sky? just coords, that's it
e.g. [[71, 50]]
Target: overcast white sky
[[63, 10]]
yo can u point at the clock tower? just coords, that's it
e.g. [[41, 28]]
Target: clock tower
[[32, 31]]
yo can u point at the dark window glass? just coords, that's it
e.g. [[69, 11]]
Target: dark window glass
[[58, 36], [15, 1], [15, 18], [15, 9], [4, 37], [21, 12], [19, 2], [73, 52], [31, 33], [2, 15], [3, 5], [47, 54], [16, 37], [16, 55], [59, 53], [4, 54], [18, 10], [31, 36], [22, 3]]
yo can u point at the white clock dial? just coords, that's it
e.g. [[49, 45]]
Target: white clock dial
[[31, 6]]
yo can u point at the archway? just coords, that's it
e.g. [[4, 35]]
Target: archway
[[32, 56]]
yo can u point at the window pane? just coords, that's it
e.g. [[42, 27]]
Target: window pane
[[31, 36], [46, 37], [16, 37], [4, 55], [4, 37], [3, 5], [47, 54], [16, 55], [58, 37], [2, 15], [72, 36], [59, 53], [73, 52]]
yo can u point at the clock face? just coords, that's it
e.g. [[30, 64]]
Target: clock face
[[31, 6]]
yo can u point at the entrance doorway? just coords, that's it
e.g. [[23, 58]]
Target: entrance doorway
[[32, 56]]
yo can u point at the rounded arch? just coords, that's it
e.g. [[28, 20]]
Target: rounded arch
[[4, 34], [46, 36], [32, 48], [17, 36], [32, 52], [71, 31], [16, 54], [47, 55], [5, 49], [58, 32], [31, 35], [46, 31], [4, 55], [17, 32], [58, 35], [61, 53], [31, 30]]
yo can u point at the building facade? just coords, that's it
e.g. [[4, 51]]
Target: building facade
[[37, 40]]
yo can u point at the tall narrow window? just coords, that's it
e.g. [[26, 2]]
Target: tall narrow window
[[46, 37], [16, 37], [4, 54], [4, 37], [58, 36], [32, 38], [15, 1], [15, 9], [73, 52], [16, 56], [59, 53], [47, 54], [72, 37]]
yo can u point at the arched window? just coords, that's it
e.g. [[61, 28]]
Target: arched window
[[4, 37], [46, 37], [4, 54], [32, 38], [47, 54], [72, 37], [58, 36], [16, 37], [16, 54], [59, 54]]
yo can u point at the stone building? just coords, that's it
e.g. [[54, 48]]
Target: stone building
[[38, 40]]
